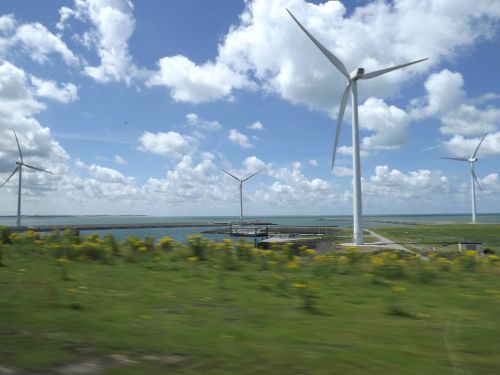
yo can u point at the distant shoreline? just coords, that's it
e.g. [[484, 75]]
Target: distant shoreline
[[319, 216]]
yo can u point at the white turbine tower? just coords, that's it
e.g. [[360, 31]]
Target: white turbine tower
[[241, 189], [473, 178], [351, 87], [19, 168]]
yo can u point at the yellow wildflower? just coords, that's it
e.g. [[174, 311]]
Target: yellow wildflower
[[310, 252], [343, 260], [293, 264], [63, 261]]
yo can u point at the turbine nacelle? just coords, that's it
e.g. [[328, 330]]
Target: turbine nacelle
[[473, 160], [357, 74]]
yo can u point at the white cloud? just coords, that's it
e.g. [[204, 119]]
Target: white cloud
[[291, 188], [298, 72], [120, 160], [7, 22], [490, 184], [65, 13], [40, 42], [400, 187], [50, 90], [253, 164], [256, 126], [444, 93], [194, 120], [342, 171], [239, 138], [34, 39], [113, 24], [313, 162], [469, 120], [459, 146], [389, 123], [189, 82], [190, 183], [347, 151], [108, 175], [17, 110], [167, 144], [446, 99]]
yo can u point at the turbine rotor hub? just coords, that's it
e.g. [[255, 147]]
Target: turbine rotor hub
[[473, 160], [357, 73]]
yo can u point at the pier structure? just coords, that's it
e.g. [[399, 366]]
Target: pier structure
[[90, 227]]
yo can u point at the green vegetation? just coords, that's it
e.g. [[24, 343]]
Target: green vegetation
[[444, 238], [98, 306]]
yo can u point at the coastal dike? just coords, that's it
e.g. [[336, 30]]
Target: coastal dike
[[311, 230], [90, 227]]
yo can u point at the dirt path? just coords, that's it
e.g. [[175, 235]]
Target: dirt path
[[389, 243]]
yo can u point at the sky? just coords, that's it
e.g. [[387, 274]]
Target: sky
[[137, 106]]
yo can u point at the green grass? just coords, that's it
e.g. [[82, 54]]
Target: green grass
[[443, 237], [167, 314]]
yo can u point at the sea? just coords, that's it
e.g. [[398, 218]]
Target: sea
[[181, 234]]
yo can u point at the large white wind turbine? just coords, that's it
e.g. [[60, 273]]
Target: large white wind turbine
[[19, 168], [351, 87], [241, 189], [473, 178]]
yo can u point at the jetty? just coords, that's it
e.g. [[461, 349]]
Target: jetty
[[113, 226], [310, 230]]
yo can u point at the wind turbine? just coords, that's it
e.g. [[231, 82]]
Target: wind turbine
[[19, 168], [473, 178], [351, 87], [241, 189]]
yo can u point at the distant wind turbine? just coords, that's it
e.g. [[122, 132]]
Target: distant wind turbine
[[473, 178], [19, 168], [241, 189], [351, 87]]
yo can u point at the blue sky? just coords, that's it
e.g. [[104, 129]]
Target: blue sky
[[137, 106]]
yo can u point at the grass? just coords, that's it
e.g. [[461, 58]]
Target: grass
[[165, 311], [427, 238]]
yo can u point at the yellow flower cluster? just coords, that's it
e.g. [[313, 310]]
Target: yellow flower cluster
[[165, 243], [62, 261]]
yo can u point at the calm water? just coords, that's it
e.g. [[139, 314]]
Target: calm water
[[180, 234]]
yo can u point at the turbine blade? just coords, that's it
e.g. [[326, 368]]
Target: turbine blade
[[249, 177], [459, 159], [477, 148], [343, 104], [377, 73], [475, 179], [18, 147], [233, 176], [330, 56], [38, 169], [12, 174]]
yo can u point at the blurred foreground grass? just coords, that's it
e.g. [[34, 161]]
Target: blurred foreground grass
[[92, 305]]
